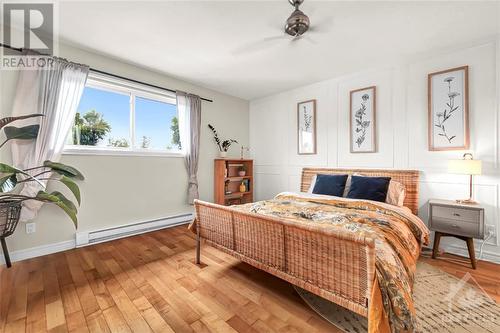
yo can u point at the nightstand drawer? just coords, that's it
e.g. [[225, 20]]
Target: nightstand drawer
[[456, 227], [454, 213]]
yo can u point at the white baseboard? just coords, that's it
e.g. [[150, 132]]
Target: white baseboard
[[85, 238], [462, 251], [38, 251], [82, 238]]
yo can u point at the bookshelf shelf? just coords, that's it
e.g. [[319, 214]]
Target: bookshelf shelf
[[237, 178], [227, 181], [236, 195]]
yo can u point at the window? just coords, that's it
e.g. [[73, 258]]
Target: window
[[152, 120], [120, 117]]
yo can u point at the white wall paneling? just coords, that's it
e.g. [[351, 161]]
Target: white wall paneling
[[401, 131]]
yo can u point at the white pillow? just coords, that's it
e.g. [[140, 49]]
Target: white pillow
[[348, 185], [396, 194], [311, 187]]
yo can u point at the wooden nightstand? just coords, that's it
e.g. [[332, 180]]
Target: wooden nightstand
[[449, 218]]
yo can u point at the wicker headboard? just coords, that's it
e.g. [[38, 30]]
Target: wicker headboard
[[409, 178]]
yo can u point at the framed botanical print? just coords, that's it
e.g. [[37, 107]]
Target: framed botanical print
[[306, 127], [448, 98], [362, 120]]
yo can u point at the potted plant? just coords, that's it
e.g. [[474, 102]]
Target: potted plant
[[242, 171], [12, 179], [222, 145]]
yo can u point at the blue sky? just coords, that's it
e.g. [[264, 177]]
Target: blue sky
[[153, 118]]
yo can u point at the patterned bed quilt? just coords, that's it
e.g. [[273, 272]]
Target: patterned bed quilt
[[398, 234]]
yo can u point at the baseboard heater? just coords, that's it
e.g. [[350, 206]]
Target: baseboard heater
[[98, 236]]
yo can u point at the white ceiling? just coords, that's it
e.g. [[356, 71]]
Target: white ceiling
[[233, 46]]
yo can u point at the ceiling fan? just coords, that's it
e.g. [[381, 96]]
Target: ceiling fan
[[296, 25]]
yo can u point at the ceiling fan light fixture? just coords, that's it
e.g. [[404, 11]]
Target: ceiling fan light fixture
[[297, 24]]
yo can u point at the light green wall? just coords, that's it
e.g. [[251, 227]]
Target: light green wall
[[118, 189]]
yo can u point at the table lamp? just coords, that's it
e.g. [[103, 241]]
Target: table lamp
[[466, 166]]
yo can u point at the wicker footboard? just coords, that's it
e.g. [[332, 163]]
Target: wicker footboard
[[337, 266]]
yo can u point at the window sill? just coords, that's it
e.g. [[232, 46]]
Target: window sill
[[120, 152]]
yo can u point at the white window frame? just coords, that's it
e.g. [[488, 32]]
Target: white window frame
[[133, 90]]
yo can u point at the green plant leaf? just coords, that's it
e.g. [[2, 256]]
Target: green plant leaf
[[8, 182], [73, 187], [64, 170], [66, 201], [8, 120], [5, 168], [29, 132], [61, 201]]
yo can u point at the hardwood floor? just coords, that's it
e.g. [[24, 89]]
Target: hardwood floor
[[487, 274], [150, 283]]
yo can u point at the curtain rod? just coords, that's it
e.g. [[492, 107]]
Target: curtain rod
[[106, 73]]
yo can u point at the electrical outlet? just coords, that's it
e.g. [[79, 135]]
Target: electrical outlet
[[490, 230], [30, 228]]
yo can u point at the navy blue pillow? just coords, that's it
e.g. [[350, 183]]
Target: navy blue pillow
[[369, 188], [330, 184]]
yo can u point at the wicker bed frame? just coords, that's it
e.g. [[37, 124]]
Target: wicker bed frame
[[337, 266]]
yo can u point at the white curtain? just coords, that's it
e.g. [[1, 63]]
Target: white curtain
[[55, 93], [189, 109]]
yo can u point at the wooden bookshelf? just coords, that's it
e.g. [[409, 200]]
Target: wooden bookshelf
[[227, 181]]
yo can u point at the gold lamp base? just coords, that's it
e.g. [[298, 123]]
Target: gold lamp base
[[467, 202]]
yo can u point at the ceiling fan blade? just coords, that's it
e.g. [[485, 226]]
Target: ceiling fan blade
[[257, 45], [304, 37]]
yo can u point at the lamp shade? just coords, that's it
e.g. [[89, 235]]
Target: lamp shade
[[465, 167]]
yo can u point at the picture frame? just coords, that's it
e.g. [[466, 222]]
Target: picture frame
[[362, 120], [306, 127], [448, 109]]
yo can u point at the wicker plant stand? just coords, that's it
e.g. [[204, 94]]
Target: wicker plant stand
[[9, 217]]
